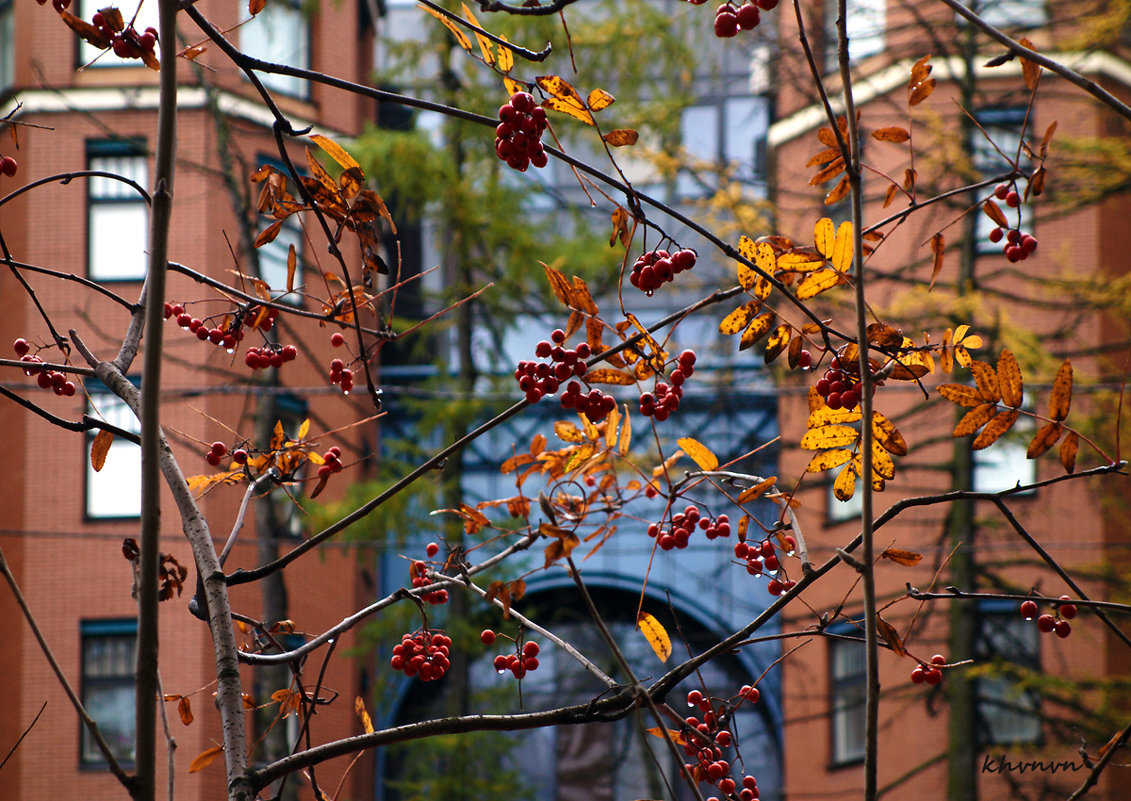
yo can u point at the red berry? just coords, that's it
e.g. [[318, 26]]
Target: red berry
[[487, 637], [239, 456], [996, 235], [805, 360], [1000, 191], [337, 339], [530, 648], [933, 676], [1028, 609], [1062, 628], [219, 448], [432, 549], [767, 5], [21, 347], [918, 675], [212, 458], [748, 17], [1046, 623], [1012, 199], [726, 25], [938, 659], [1067, 611], [8, 166]]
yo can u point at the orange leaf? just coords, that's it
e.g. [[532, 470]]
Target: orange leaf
[[828, 173], [757, 491], [1060, 399], [893, 133], [268, 234], [184, 709], [599, 100], [1068, 450], [757, 329], [890, 635], [99, 448], [1044, 439], [620, 137], [1009, 379], [994, 212], [255, 6], [889, 196], [655, 634], [699, 453], [986, 379], [739, 318], [975, 419], [901, 557], [1030, 70], [363, 714], [994, 429], [205, 758], [562, 287], [609, 376], [938, 249], [777, 342], [336, 152]]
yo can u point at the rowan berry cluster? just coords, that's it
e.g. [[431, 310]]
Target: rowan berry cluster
[[665, 397], [518, 135], [128, 43], [269, 356], [341, 375], [762, 557], [332, 462], [420, 579], [217, 452], [929, 673], [1056, 621], [537, 379], [1018, 246], [47, 379], [594, 404], [58, 5], [8, 166], [839, 389], [423, 654], [523, 661], [652, 270], [678, 534], [731, 18], [705, 739]]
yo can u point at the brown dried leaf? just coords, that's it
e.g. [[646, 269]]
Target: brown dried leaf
[[889, 196], [1060, 399], [85, 30], [828, 173], [184, 709], [1068, 450], [823, 157], [1009, 380], [205, 758], [938, 249], [255, 6], [1045, 438], [99, 448], [994, 212], [839, 191], [558, 283], [621, 137], [892, 133], [609, 376], [986, 379], [902, 557], [890, 635], [975, 419], [268, 234], [994, 429], [620, 227], [796, 345], [1030, 70]]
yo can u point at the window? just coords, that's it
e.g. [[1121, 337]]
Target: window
[[1002, 126], [1005, 464], [1006, 713], [1009, 13], [7, 44], [273, 261], [115, 490], [865, 29], [108, 655], [727, 131], [117, 216], [280, 33], [89, 55], [847, 683], [839, 511]]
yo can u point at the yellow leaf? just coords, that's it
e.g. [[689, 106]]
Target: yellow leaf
[[888, 435], [757, 491], [599, 100], [986, 379], [824, 235], [1009, 379], [591, 432], [799, 262], [512, 85], [975, 419], [484, 42], [757, 329], [777, 342], [625, 433], [841, 258], [621, 137], [961, 394], [748, 250], [655, 634], [827, 460], [99, 448], [564, 98], [816, 283], [994, 429], [568, 431], [363, 715], [611, 423], [1060, 399], [461, 37], [845, 485], [882, 464], [739, 318], [1044, 439], [829, 437], [205, 758], [303, 430], [822, 415], [607, 375], [336, 152], [839, 191], [699, 453]]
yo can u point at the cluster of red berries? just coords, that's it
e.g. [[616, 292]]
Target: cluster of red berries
[[58, 5], [217, 452], [657, 267], [730, 19], [423, 654], [1018, 246], [518, 135], [523, 661], [268, 321], [341, 375], [763, 557], [8, 166], [129, 43], [840, 390], [420, 579], [929, 673], [269, 356], [665, 397], [537, 379], [704, 741], [594, 404], [47, 379], [678, 534], [332, 462], [1056, 622]]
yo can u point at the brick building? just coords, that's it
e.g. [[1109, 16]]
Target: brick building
[[953, 740], [62, 524]]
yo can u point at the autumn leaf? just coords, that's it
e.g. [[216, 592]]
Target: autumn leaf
[[1044, 439], [564, 98], [824, 235], [184, 710], [890, 635], [841, 256], [99, 448], [758, 328], [1068, 450], [892, 133], [888, 435], [1060, 399], [827, 460], [938, 250], [986, 379], [961, 394], [606, 375], [757, 491], [1001, 423], [739, 318], [205, 758], [568, 432], [699, 453], [1030, 70], [975, 419], [829, 437], [1009, 380], [777, 342], [599, 100], [336, 152], [816, 283], [901, 557], [845, 485], [621, 137], [655, 634], [625, 434], [363, 714]]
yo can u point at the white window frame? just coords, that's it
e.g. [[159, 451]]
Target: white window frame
[[114, 492], [117, 215], [1005, 464], [280, 33]]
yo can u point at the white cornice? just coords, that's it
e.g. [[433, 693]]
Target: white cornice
[[96, 99], [889, 79]]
